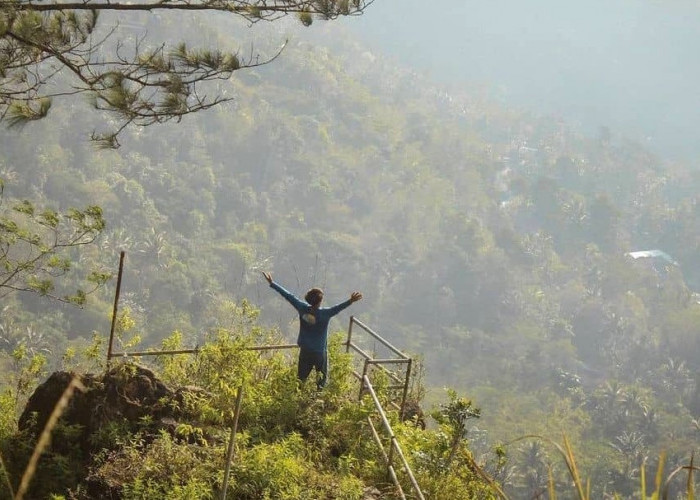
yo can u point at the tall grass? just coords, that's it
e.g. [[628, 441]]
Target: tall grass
[[661, 487], [581, 488], [690, 485]]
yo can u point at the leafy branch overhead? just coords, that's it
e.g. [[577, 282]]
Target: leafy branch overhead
[[43, 45], [35, 246]]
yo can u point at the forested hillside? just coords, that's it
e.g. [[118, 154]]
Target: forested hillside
[[493, 243]]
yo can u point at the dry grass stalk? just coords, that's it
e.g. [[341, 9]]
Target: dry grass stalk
[[45, 438], [7, 478], [550, 484]]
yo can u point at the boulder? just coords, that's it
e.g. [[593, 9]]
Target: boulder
[[125, 393], [127, 397]]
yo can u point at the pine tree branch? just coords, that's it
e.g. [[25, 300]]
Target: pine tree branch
[[255, 10], [38, 40]]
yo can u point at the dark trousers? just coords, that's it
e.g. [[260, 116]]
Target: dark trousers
[[313, 359]]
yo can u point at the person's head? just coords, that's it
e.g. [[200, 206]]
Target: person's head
[[314, 296]]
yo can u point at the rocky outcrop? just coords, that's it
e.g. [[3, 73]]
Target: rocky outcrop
[[412, 412], [126, 392], [127, 397]]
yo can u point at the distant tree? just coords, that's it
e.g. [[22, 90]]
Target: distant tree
[[604, 223], [41, 40], [453, 417], [34, 247], [531, 470]]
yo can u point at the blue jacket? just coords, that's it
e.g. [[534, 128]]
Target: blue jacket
[[313, 324]]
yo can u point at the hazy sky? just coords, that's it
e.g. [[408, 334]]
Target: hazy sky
[[632, 65]]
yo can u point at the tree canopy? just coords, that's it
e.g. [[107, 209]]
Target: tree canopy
[[492, 242], [57, 49]]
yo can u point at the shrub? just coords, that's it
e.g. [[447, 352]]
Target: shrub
[[163, 469]]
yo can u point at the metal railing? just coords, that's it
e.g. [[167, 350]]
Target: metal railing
[[365, 384], [196, 350], [370, 361], [394, 447], [111, 354]]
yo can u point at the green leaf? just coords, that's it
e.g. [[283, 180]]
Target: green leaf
[[50, 218], [24, 207]]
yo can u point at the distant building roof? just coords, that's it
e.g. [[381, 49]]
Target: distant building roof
[[653, 254]]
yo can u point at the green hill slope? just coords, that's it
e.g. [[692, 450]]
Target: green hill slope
[[491, 242], [126, 434]]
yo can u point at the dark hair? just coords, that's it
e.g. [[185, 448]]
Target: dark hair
[[314, 296]]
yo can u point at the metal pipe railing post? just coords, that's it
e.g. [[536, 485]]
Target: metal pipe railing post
[[392, 471], [411, 477], [392, 444], [392, 437], [116, 303], [362, 380], [405, 388], [231, 442], [347, 344]]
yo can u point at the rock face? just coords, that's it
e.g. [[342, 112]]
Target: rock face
[[44, 399], [128, 395], [414, 413], [127, 391]]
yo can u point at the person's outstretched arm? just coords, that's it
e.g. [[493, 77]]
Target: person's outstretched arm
[[354, 297], [291, 298]]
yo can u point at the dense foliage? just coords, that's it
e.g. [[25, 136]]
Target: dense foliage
[[491, 242], [292, 442]]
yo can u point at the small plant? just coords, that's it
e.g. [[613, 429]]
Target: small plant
[[167, 469], [28, 369], [453, 417], [123, 331]]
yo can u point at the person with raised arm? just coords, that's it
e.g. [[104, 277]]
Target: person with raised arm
[[313, 328]]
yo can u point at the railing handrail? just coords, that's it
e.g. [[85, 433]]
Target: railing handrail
[[380, 362], [378, 337], [195, 351]]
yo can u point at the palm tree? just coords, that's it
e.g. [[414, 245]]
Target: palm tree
[[633, 403], [154, 246], [117, 240], [676, 376], [531, 470]]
